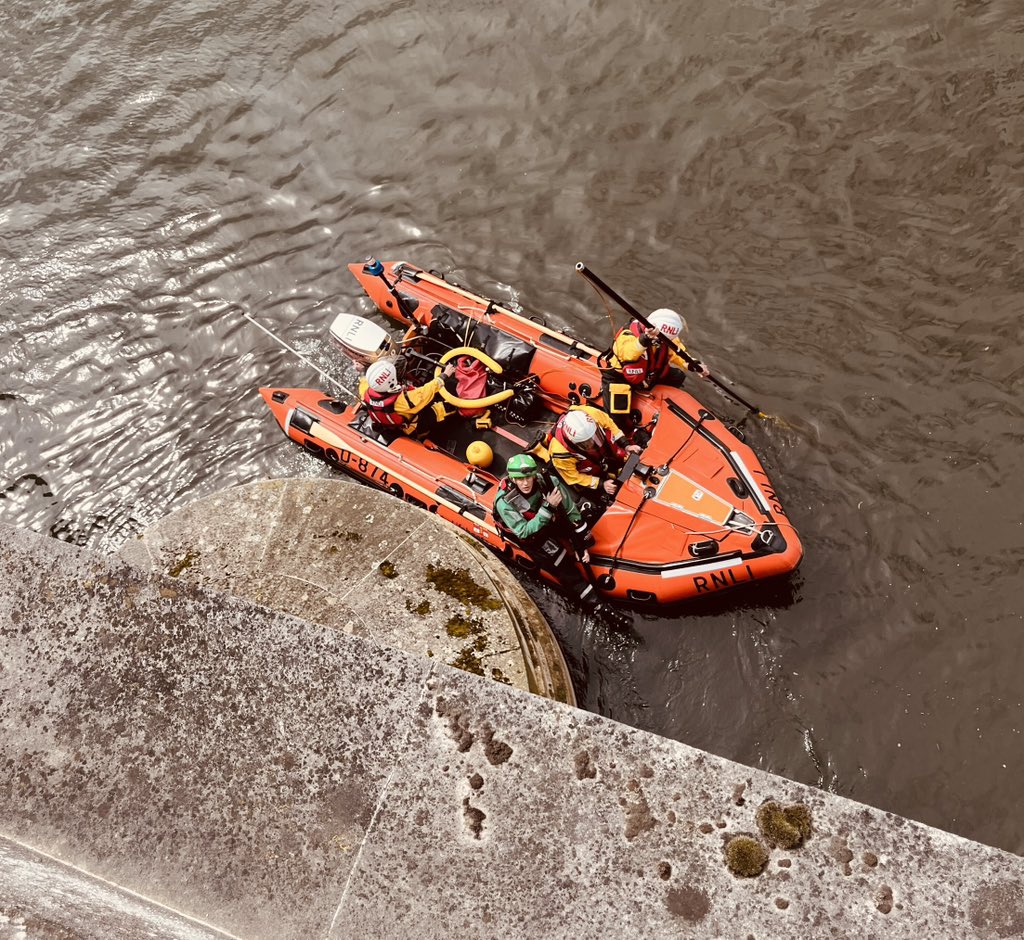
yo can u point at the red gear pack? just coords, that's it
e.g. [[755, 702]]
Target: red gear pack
[[470, 383]]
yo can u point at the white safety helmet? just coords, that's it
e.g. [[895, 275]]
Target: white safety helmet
[[382, 376], [581, 430], [667, 322]]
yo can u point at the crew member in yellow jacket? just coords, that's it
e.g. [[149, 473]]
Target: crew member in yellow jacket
[[394, 406], [645, 356], [587, 450]]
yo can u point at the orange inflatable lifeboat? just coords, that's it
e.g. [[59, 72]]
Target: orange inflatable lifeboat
[[695, 515]]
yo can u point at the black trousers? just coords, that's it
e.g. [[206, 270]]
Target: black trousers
[[552, 549]]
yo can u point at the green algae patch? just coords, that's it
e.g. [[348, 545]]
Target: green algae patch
[[468, 661], [181, 564], [422, 608], [468, 628], [498, 676], [457, 583], [387, 569], [785, 827], [462, 627], [746, 856], [344, 536]]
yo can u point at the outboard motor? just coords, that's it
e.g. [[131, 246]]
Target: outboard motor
[[361, 340]]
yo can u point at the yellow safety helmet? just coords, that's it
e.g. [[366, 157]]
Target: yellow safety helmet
[[479, 454]]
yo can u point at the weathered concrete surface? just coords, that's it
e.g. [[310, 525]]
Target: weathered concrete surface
[[345, 556], [42, 899], [276, 779]]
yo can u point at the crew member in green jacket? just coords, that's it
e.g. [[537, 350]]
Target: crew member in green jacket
[[538, 512]]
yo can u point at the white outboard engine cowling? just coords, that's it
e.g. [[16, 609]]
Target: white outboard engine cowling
[[361, 340]]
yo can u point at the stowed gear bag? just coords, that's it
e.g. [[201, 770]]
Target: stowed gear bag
[[453, 329], [470, 383]]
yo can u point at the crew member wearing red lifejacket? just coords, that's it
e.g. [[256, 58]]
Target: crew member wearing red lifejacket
[[588, 449], [643, 357], [393, 406]]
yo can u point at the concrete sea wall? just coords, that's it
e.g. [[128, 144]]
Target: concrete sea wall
[[224, 769]]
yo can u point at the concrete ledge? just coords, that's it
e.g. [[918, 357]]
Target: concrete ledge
[[340, 554], [276, 779], [43, 899]]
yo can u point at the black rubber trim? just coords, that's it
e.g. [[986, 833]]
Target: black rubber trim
[[332, 405], [624, 564], [466, 506], [571, 349]]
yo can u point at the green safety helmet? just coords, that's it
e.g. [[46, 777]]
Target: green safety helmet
[[522, 466]]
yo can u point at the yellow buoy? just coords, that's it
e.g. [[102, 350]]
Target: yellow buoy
[[479, 454]]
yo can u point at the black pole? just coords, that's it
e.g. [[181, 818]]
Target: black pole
[[581, 268], [375, 269]]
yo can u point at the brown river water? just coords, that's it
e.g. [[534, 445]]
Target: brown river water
[[833, 192]]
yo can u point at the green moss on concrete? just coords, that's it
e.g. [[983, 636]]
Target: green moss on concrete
[[189, 559], [422, 608], [799, 815], [387, 569], [498, 676], [785, 827], [746, 856], [338, 534], [462, 627], [468, 661], [457, 583]]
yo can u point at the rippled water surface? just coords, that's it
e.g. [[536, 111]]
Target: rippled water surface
[[831, 190]]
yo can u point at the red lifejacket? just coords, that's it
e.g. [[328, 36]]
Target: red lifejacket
[[382, 408], [609, 456], [651, 366]]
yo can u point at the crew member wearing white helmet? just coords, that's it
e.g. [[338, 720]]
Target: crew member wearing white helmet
[[588, 449], [393, 405], [643, 357]]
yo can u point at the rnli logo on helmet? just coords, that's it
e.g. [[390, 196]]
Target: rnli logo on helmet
[[669, 329]]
